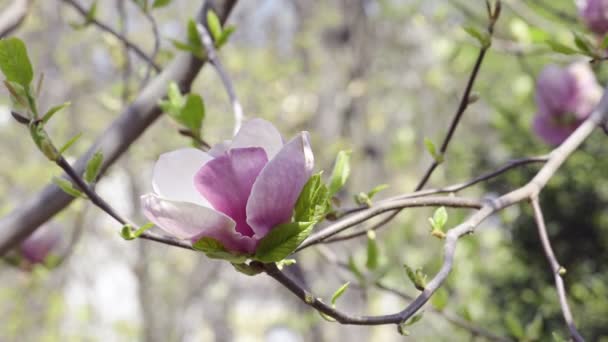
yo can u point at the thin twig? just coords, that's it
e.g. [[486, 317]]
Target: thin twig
[[465, 99], [83, 11], [13, 16], [237, 109], [126, 73], [556, 268], [154, 25]]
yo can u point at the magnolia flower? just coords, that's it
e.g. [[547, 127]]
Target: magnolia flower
[[235, 193], [40, 244], [594, 14], [564, 97]]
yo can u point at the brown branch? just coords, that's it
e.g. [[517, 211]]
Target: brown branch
[[555, 268], [116, 139], [466, 96], [384, 206], [105, 27], [13, 16]]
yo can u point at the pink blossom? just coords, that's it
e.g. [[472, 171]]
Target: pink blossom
[[235, 193], [40, 244], [595, 14], [564, 97]]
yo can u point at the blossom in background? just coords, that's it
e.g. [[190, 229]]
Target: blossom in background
[[564, 97], [595, 14], [235, 193], [41, 244]]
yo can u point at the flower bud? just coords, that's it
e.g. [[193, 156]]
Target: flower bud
[[594, 14], [40, 244], [565, 97]]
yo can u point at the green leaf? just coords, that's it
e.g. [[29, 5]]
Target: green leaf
[[246, 269], [339, 292], [186, 47], [313, 202], [557, 337], [193, 113], [194, 39], [15, 63], [376, 190], [282, 240], [92, 12], [514, 325], [372, 251], [561, 48], [440, 299], [418, 277], [604, 44], [430, 146], [352, 266], [128, 234], [215, 26], [438, 221], [583, 44], [48, 115], [284, 263], [69, 144], [43, 141], [483, 38], [67, 187], [93, 167], [160, 3], [340, 173], [215, 250], [226, 33], [416, 318], [534, 329]]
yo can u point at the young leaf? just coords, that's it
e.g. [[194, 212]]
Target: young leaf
[[440, 217], [43, 141], [128, 234], [69, 144], [214, 24], [247, 269], [48, 115], [193, 113], [561, 48], [340, 173], [372, 251], [418, 277], [352, 266], [226, 33], [67, 187], [339, 292], [160, 3], [583, 44], [430, 146], [376, 190], [93, 167], [285, 262], [514, 325], [194, 39], [440, 299], [483, 38], [215, 250], [282, 240], [604, 44], [313, 202], [534, 329], [15, 63]]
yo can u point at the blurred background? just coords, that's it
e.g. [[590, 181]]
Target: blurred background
[[373, 76]]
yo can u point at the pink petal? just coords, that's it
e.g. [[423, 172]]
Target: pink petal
[[173, 176], [219, 148], [190, 221], [278, 186], [550, 132], [226, 182], [259, 133]]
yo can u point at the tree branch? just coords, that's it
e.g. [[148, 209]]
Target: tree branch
[[116, 139], [555, 268], [139, 52], [13, 16]]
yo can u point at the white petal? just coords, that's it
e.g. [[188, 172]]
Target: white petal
[[190, 221], [219, 148], [173, 176], [259, 133]]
